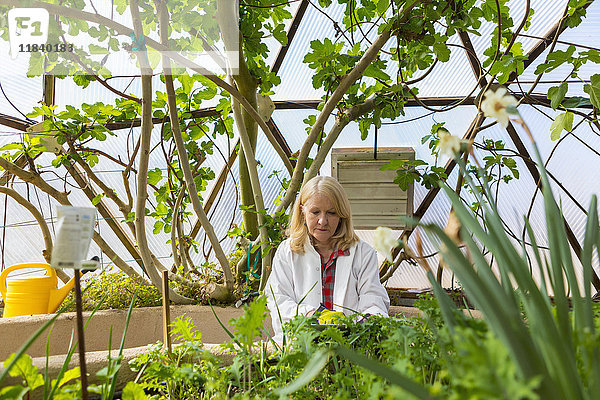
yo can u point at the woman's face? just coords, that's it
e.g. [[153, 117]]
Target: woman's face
[[320, 218]]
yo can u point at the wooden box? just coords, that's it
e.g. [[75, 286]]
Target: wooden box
[[374, 197]]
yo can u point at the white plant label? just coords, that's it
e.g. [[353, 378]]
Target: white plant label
[[75, 231]]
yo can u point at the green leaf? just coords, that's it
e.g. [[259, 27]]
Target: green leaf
[[441, 51], [555, 60], [95, 49], [185, 331], [154, 176], [12, 146], [577, 101], [382, 6], [593, 89], [312, 369], [556, 94], [374, 71], [393, 165], [97, 199], [13, 392], [250, 324], [405, 178], [382, 370], [158, 225], [280, 34], [71, 374], [133, 391], [562, 122], [25, 369], [161, 209]]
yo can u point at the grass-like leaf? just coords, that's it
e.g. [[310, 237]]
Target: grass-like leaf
[[311, 371], [385, 372]]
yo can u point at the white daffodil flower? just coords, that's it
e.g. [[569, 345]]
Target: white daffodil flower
[[498, 105], [448, 144], [384, 242]]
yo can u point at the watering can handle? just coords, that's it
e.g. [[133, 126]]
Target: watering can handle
[[8, 270]]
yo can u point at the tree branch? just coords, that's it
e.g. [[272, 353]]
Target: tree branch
[[174, 232], [108, 192], [258, 199], [123, 30], [47, 252], [142, 176], [349, 115], [183, 158], [332, 102], [34, 179]]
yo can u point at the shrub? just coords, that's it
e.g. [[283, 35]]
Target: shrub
[[114, 289]]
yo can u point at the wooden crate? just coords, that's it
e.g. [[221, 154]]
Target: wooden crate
[[374, 197]]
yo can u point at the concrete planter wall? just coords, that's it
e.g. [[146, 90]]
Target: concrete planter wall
[[145, 328]]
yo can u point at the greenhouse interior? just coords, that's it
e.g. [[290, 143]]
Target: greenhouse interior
[[173, 173]]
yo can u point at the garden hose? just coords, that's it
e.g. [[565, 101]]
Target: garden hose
[[252, 271]]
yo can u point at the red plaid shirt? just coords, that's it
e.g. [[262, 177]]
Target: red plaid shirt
[[328, 276]]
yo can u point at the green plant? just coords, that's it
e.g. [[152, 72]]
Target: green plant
[[16, 357], [548, 345], [115, 289], [179, 374], [248, 352]]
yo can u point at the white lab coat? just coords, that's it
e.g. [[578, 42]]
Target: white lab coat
[[295, 287]]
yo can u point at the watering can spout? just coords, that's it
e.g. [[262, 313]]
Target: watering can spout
[[58, 295]]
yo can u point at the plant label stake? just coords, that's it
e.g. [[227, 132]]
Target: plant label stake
[[80, 338], [166, 311], [75, 231]]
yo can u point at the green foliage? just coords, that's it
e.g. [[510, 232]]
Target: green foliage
[[115, 290], [556, 94], [62, 388], [34, 382], [24, 368], [276, 226], [349, 360], [179, 374], [412, 171], [250, 325], [546, 344]]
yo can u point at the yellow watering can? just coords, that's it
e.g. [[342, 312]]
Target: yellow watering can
[[32, 295]]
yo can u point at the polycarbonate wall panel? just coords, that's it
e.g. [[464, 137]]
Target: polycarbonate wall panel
[[583, 38], [296, 76], [10, 135], [24, 93], [449, 79]]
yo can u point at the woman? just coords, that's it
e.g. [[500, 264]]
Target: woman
[[323, 264]]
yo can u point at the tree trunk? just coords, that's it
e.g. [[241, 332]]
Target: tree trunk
[[142, 176]]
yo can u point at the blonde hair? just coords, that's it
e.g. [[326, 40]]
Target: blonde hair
[[344, 236]]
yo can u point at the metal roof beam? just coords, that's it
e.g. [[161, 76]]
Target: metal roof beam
[[290, 36], [14, 122]]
